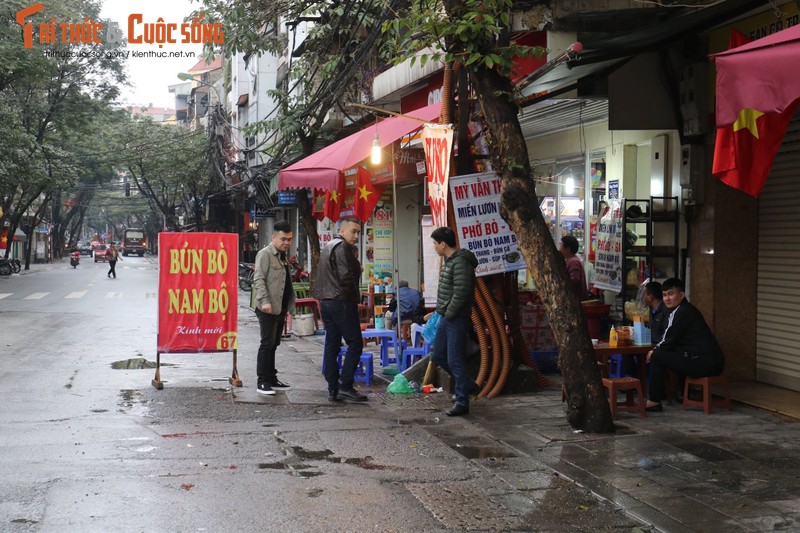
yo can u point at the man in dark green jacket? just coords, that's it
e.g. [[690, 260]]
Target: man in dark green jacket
[[454, 303]]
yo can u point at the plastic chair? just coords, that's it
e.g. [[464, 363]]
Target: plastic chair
[[419, 348]]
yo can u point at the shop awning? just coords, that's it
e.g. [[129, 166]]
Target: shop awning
[[758, 75], [321, 169]]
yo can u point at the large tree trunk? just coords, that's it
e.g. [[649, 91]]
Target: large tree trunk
[[587, 407]]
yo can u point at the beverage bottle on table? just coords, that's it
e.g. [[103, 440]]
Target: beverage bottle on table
[[612, 337]]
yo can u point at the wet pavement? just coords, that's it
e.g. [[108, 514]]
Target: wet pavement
[[89, 445], [733, 470]]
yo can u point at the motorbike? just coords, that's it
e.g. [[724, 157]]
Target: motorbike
[[75, 258], [296, 270], [246, 273]]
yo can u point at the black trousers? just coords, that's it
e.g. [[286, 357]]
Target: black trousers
[[111, 266], [341, 320], [271, 329], [684, 363]]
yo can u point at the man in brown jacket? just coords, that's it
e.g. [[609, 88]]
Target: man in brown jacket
[[337, 289], [273, 298]]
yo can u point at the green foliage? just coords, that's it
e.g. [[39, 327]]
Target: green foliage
[[472, 32]]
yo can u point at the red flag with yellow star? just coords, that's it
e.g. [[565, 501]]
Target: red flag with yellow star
[[4, 239], [744, 151], [334, 202], [367, 195]]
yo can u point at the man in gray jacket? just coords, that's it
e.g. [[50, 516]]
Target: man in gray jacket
[[273, 298], [337, 289]]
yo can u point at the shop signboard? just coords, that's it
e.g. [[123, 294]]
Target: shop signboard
[[379, 241], [613, 189], [259, 212], [287, 197], [481, 229], [608, 255], [198, 293]]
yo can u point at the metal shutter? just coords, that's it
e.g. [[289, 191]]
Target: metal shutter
[[778, 312]]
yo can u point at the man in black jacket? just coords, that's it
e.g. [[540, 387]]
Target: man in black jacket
[[454, 301], [337, 289], [688, 346]]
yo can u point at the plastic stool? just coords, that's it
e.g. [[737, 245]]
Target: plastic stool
[[630, 386], [615, 366], [708, 401], [364, 370]]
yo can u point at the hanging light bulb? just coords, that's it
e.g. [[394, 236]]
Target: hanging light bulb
[[376, 150], [569, 186]]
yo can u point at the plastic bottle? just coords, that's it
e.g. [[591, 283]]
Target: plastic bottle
[[612, 337]]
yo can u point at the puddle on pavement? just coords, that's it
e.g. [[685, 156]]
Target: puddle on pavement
[[135, 363], [132, 402], [483, 452], [295, 467]]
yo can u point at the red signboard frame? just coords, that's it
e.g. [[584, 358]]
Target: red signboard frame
[[198, 295]]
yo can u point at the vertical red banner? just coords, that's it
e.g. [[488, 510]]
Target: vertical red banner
[[197, 292]]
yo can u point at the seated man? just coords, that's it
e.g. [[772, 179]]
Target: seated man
[[410, 300], [658, 315], [688, 347]]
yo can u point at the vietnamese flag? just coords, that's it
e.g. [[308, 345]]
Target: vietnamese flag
[[367, 195], [757, 96], [334, 201], [745, 150], [4, 239]]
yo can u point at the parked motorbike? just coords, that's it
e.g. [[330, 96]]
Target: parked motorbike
[[75, 258], [247, 272], [296, 270]]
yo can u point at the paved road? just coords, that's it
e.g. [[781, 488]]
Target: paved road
[[87, 447]]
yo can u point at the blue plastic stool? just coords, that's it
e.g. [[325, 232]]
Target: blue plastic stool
[[364, 370], [419, 348], [615, 366]]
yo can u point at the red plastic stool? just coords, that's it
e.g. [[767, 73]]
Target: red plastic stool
[[630, 386], [708, 401]]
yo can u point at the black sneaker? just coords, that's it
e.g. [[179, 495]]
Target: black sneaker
[[334, 397], [264, 388], [458, 410], [277, 384], [351, 395]]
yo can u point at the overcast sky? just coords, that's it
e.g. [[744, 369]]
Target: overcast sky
[[151, 77]]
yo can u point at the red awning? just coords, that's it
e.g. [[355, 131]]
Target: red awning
[[321, 169], [758, 75]]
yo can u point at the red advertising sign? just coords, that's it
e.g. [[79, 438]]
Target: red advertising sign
[[437, 141], [197, 292]]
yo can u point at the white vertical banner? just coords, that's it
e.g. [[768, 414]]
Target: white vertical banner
[[608, 256], [437, 140], [430, 262]]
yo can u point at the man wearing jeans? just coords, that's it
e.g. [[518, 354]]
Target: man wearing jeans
[[338, 291], [454, 303], [273, 298]]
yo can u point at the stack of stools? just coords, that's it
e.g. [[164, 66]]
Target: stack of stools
[[364, 370], [708, 401], [630, 386], [419, 348]]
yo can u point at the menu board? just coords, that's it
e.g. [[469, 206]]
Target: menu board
[[608, 256], [481, 229]]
